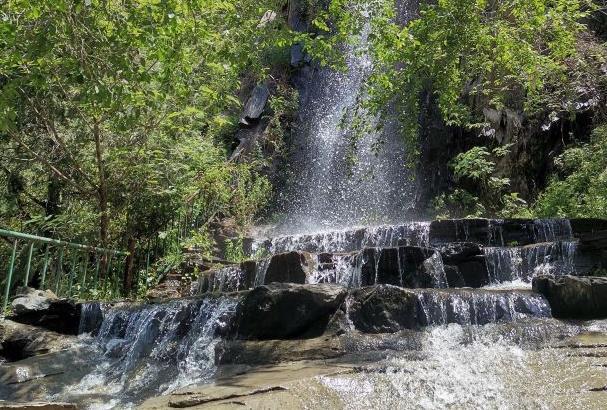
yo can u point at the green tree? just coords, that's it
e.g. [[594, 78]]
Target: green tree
[[115, 116]]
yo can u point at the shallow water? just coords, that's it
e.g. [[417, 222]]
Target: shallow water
[[457, 370]]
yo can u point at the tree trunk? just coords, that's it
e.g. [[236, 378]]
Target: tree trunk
[[102, 194], [128, 267]]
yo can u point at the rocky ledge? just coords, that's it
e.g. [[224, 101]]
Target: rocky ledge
[[574, 297]]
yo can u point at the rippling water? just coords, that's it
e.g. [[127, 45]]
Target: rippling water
[[463, 368]]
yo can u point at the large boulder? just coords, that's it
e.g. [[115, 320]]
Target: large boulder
[[19, 341], [382, 309], [44, 309], [287, 311], [290, 267], [574, 297], [30, 300]]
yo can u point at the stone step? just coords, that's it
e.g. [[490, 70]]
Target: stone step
[[453, 265], [485, 232], [286, 311]]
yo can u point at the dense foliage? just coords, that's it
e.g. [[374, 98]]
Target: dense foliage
[[474, 54], [114, 114], [580, 188]]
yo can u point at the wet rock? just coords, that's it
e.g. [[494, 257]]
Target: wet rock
[[286, 311], [499, 232], [465, 265], [297, 55], [477, 306], [586, 227], [454, 277], [255, 104], [389, 309], [37, 377], [574, 297], [228, 279], [460, 230], [474, 271], [407, 266], [254, 352], [30, 300], [382, 309], [457, 252], [291, 267], [38, 405], [594, 240], [44, 309], [246, 141], [91, 317], [19, 341]]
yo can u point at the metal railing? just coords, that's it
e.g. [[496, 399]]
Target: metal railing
[[69, 269]]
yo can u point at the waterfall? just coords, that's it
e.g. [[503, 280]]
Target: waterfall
[[349, 240], [523, 263], [227, 279], [260, 271], [552, 230], [330, 192], [153, 349], [434, 265], [477, 307], [91, 317]]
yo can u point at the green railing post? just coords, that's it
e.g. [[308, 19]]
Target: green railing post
[[45, 266], [59, 271], [7, 291], [97, 270], [85, 260], [29, 265], [72, 274], [108, 272]]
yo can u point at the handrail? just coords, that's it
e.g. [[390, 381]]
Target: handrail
[[19, 235], [78, 263]]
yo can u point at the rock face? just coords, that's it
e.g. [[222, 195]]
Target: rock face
[[574, 297], [30, 300], [287, 311], [383, 309], [44, 309], [291, 267], [231, 278]]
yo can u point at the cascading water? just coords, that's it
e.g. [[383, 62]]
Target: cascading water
[[467, 307], [330, 192], [523, 263], [349, 240], [151, 349]]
